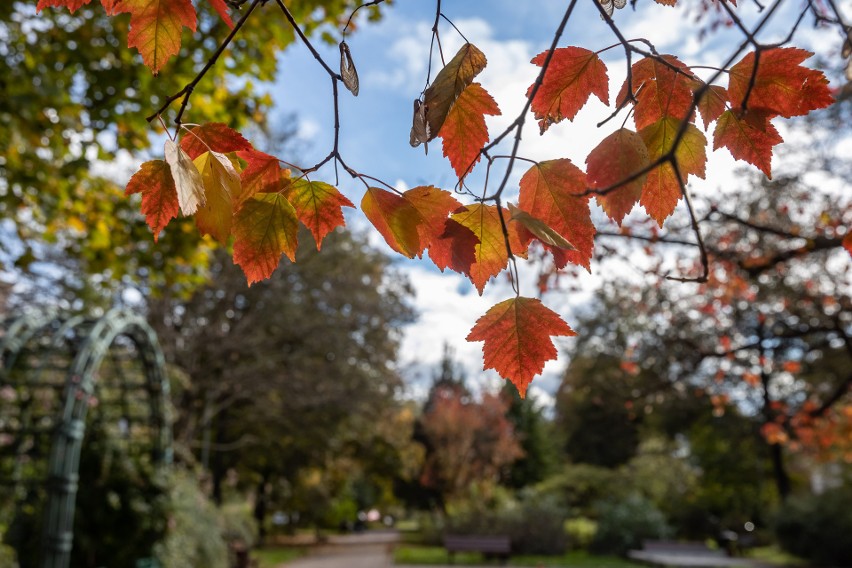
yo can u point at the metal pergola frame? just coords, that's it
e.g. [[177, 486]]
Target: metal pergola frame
[[37, 342]]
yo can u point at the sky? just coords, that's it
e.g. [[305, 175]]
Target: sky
[[392, 56]]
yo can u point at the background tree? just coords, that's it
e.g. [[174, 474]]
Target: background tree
[[283, 375]]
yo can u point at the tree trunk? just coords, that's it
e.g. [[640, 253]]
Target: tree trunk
[[782, 480], [260, 508]]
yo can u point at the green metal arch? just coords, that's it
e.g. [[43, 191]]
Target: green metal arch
[[91, 341]]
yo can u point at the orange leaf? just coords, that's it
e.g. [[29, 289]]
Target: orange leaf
[[72, 5], [618, 157], [791, 366], [455, 248], [449, 84], [464, 131], [262, 173], [712, 103], [159, 196], [491, 255], [156, 26], [573, 75], [222, 9], [553, 192], [517, 335], [434, 206], [213, 137], [779, 85], [318, 205], [395, 218], [662, 190], [264, 228], [749, 136], [659, 90], [221, 184], [847, 242]]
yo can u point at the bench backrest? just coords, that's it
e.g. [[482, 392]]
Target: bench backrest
[[477, 543]]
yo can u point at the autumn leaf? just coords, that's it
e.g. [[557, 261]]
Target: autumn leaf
[[779, 85], [540, 230], [847, 242], [712, 104], [190, 190], [449, 84], [454, 248], [491, 255], [749, 136], [464, 131], [662, 189], [156, 26], [573, 75], [262, 174], [434, 207], [553, 191], [659, 90], [395, 218], [222, 9], [264, 228], [617, 158], [221, 183], [159, 196], [318, 205], [72, 5], [213, 137], [517, 335]]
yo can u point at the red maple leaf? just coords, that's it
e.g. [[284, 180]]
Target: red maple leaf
[[661, 88], [616, 159], [464, 131], [574, 74], [156, 26], [159, 195], [395, 218], [517, 335], [455, 248], [552, 191], [779, 85], [749, 135], [214, 137], [264, 228], [318, 205], [261, 175], [222, 9]]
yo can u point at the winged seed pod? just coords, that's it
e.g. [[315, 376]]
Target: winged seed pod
[[419, 126], [347, 69]]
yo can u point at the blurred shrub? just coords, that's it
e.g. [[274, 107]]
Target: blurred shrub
[[534, 525], [818, 527], [195, 529], [624, 524], [581, 531]]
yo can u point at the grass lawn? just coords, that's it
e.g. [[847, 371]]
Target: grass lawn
[[272, 557], [774, 555], [425, 555]]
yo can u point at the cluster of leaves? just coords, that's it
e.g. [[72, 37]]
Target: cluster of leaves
[[234, 190]]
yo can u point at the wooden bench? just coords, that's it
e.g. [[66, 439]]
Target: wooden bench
[[491, 546]]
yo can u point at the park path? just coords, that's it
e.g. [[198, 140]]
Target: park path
[[368, 550]]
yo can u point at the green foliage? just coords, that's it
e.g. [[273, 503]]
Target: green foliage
[[194, 537], [579, 486], [535, 525], [594, 412], [817, 527], [624, 524], [581, 532], [437, 555]]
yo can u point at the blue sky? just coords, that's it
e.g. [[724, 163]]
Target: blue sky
[[391, 58]]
